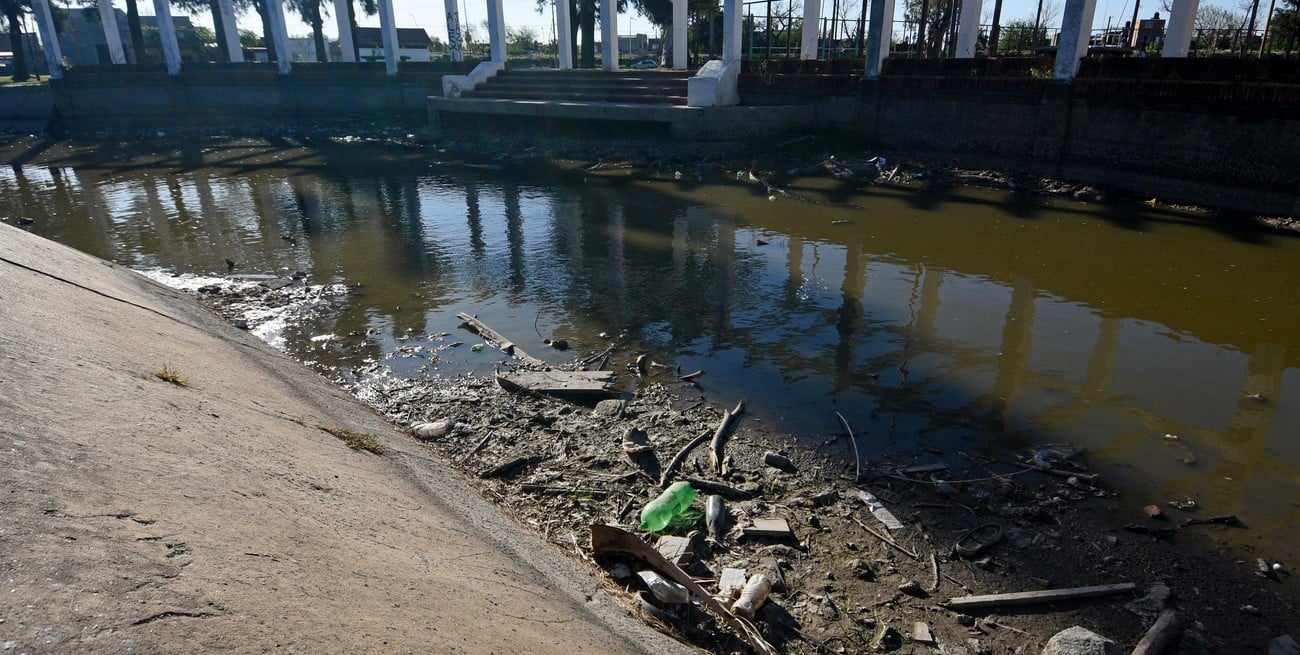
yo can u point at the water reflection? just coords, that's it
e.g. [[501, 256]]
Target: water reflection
[[950, 321]]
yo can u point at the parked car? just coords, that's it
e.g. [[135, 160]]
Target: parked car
[[645, 64]]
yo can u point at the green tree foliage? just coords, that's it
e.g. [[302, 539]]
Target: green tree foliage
[[1286, 27], [520, 40], [1020, 35]]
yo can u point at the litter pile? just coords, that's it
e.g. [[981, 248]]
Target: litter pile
[[740, 540]]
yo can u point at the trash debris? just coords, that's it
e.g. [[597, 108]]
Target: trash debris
[[1153, 512], [752, 596], [434, 430], [779, 461], [676, 498], [607, 539], [678, 550], [921, 633], [768, 527], [558, 382], [978, 539], [496, 339], [731, 582], [879, 511], [664, 590], [1032, 597], [715, 516]]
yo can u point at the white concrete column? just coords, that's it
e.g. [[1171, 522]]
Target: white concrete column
[[108, 18], [968, 30], [496, 29], [812, 29], [49, 38], [564, 34], [1072, 44], [162, 9], [880, 32], [388, 34], [347, 49], [608, 35], [279, 35], [731, 21], [1179, 29], [680, 32], [455, 39], [231, 28]]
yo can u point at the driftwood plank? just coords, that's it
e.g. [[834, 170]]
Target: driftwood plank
[[1045, 596], [577, 382], [497, 340]]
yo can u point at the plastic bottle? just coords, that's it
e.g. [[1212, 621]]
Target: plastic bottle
[[752, 596], [673, 501]]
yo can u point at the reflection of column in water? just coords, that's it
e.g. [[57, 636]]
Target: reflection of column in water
[[616, 274], [474, 217], [161, 227], [725, 270], [1101, 366], [1013, 356], [96, 236], [794, 280], [515, 237], [850, 312], [681, 245]]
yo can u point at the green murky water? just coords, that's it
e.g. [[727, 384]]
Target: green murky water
[[950, 320]]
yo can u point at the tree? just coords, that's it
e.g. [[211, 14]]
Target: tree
[[249, 38], [313, 13], [1021, 34], [1286, 24], [13, 11], [520, 39]]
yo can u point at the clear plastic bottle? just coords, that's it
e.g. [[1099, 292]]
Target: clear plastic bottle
[[673, 501]]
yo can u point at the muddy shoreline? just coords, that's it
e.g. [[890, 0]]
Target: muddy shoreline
[[843, 581], [842, 588]]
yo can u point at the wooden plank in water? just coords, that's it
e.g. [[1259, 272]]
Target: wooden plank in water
[[572, 382]]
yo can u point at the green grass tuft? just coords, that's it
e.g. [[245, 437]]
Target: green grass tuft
[[355, 440]]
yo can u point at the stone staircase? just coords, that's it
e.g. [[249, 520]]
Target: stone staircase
[[649, 87]]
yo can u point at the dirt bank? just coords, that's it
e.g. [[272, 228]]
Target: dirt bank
[[223, 510]]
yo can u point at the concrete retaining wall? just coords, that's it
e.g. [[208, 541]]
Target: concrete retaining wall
[[25, 107], [1230, 156], [91, 98]]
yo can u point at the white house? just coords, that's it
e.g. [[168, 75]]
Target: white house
[[412, 44]]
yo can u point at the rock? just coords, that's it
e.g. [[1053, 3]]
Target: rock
[[911, 588], [434, 430], [1284, 645], [1152, 604], [1079, 640], [612, 408]]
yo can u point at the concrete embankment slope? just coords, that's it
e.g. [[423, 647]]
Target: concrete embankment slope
[[142, 516]]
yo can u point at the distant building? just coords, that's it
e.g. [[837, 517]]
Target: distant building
[[83, 43], [637, 44], [412, 44], [191, 49], [303, 48], [1151, 30]]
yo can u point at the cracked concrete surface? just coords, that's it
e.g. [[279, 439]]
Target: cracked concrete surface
[[142, 516]]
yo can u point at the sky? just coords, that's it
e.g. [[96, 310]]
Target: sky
[[430, 15]]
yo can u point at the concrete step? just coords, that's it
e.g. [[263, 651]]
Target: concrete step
[[556, 75], [487, 91]]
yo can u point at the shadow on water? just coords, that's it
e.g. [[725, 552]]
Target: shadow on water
[[938, 319]]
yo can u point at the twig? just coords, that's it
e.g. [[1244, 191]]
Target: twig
[[677, 459], [857, 459], [934, 572], [552, 489], [535, 319], [477, 447], [1090, 478], [690, 377], [887, 540], [719, 435]]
